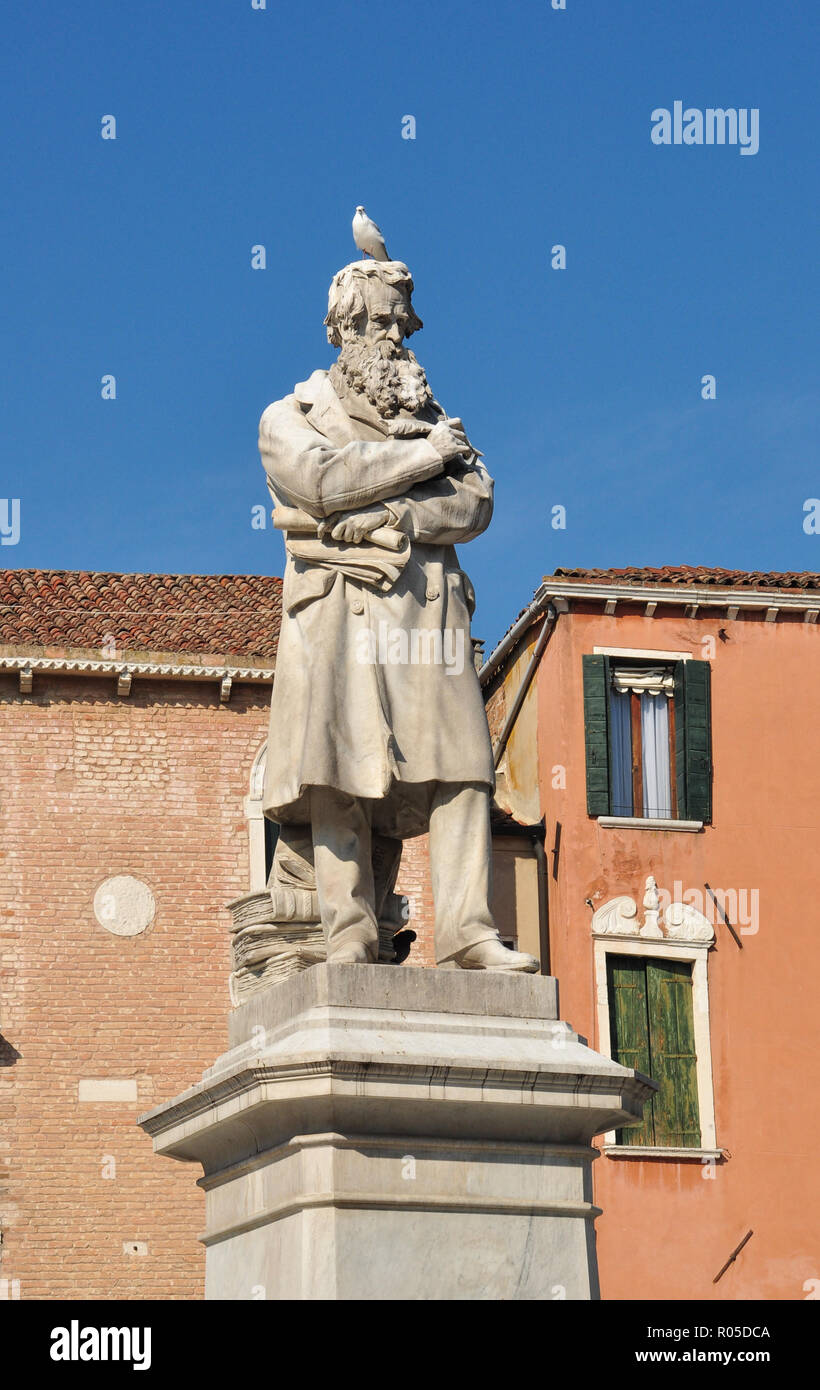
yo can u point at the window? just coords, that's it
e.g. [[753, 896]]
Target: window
[[648, 738], [642, 748], [651, 1021], [652, 992]]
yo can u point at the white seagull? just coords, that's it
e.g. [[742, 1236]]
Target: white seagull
[[368, 237]]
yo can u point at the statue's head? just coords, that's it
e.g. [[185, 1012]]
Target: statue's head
[[371, 300], [369, 315]]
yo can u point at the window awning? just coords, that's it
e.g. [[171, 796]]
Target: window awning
[[643, 680]]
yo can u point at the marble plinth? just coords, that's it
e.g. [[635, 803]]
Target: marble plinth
[[377, 1132]]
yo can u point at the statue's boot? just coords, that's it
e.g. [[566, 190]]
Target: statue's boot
[[493, 955]]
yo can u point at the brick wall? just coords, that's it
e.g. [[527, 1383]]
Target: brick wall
[[414, 880], [91, 786]]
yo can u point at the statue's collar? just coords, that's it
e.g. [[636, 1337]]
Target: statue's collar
[[328, 414]]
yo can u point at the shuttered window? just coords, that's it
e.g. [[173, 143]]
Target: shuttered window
[[627, 770], [651, 1023]]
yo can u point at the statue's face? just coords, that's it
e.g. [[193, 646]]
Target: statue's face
[[373, 361], [387, 314]]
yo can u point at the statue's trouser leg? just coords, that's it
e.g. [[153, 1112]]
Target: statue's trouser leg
[[344, 869], [386, 857], [461, 867]]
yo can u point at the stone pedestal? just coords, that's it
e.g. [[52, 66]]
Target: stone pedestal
[[378, 1132]]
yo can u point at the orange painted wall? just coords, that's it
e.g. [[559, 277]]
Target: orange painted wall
[[666, 1229]]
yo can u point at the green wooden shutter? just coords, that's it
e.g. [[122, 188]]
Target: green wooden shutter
[[672, 1051], [629, 1033], [596, 733], [652, 1030], [693, 740]]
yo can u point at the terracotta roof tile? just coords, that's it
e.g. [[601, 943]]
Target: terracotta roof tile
[[204, 614], [702, 575]]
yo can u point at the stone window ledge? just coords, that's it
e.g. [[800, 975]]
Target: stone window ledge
[[650, 1151], [648, 823]]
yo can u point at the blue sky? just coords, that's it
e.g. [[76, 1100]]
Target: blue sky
[[237, 127]]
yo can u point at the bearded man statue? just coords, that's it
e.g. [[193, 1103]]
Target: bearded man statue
[[378, 731]]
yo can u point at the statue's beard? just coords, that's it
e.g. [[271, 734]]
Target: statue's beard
[[389, 377]]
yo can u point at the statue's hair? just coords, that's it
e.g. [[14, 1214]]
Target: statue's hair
[[345, 302]]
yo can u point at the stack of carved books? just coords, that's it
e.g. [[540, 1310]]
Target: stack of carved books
[[277, 933]]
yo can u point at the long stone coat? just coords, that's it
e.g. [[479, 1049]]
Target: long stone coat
[[368, 727]]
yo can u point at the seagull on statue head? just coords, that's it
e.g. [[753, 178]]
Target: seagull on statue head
[[368, 237]]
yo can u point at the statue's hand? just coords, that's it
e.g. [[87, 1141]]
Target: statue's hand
[[354, 526], [404, 428], [450, 441]]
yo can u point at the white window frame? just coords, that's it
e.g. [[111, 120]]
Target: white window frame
[[638, 654], [697, 955]]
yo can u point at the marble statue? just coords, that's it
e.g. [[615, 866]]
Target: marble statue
[[377, 729]]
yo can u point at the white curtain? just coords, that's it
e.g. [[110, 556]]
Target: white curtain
[[621, 752], [657, 786]]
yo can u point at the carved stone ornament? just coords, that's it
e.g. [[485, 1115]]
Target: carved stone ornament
[[679, 922]]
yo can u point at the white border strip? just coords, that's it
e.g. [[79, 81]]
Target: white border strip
[[644, 655], [91, 666], [711, 596], [665, 950]]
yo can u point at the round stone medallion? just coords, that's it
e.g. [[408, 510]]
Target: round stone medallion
[[124, 905]]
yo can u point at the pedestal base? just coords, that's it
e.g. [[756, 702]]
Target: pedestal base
[[395, 1133]]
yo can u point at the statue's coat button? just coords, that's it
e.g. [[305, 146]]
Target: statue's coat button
[[432, 593], [357, 605]]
